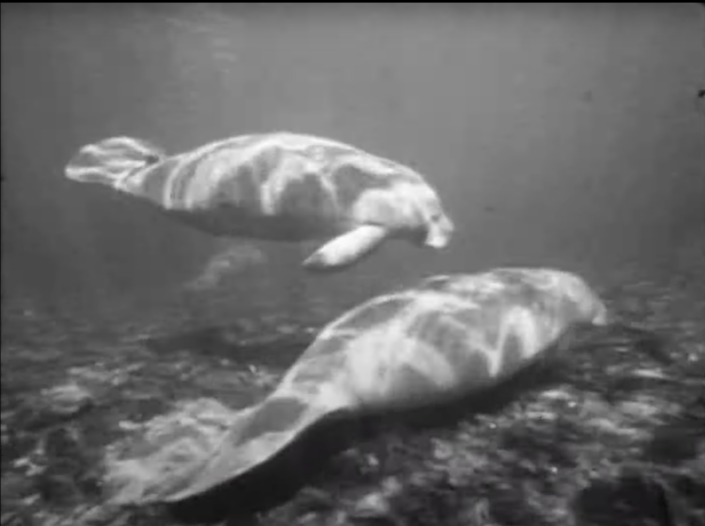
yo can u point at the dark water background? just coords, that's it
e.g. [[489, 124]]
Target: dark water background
[[566, 135]]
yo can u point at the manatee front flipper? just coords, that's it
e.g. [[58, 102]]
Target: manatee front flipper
[[346, 249]]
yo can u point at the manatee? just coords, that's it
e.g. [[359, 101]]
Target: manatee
[[279, 187], [448, 337]]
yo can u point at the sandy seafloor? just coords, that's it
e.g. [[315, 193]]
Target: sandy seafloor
[[613, 439]]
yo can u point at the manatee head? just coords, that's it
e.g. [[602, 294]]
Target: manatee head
[[431, 226], [407, 209], [585, 301]]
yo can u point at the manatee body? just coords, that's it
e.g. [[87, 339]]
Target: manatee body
[[279, 187], [444, 339]]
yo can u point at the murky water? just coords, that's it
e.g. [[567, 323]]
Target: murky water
[[561, 135], [555, 134]]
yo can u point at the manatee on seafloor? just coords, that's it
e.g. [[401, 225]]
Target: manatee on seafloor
[[279, 187], [446, 338]]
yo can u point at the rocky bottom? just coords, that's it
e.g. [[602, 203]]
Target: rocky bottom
[[611, 439]]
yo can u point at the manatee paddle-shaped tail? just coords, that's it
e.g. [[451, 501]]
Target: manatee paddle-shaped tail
[[278, 186], [256, 436], [110, 161]]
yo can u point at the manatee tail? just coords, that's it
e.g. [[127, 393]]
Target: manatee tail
[[259, 435], [109, 161]]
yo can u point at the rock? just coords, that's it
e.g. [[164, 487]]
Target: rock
[[66, 401], [377, 507]]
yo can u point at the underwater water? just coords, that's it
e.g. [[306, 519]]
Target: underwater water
[[556, 135]]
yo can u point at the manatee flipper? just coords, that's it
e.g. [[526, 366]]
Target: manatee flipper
[[346, 249]]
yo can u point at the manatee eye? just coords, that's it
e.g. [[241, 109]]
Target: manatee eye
[[152, 158], [435, 216]]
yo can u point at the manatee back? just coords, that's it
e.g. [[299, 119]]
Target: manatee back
[[320, 176], [450, 336], [300, 186], [566, 294]]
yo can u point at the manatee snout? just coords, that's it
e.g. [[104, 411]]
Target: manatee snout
[[439, 232]]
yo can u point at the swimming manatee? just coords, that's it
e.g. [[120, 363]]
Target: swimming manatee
[[279, 187]]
